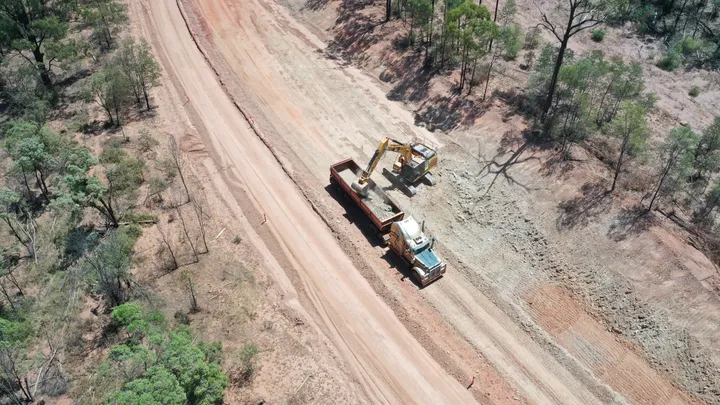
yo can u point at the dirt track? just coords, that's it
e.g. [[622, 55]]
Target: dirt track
[[315, 113], [389, 365]]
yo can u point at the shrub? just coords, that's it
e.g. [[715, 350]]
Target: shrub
[[112, 155], [146, 143], [694, 92], [532, 38], [670, 61], [597, 35], [137, 217], [247, 361], [688, 46], [236, 240], [513, 40]]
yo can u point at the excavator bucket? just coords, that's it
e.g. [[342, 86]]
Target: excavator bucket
[[361, 188]]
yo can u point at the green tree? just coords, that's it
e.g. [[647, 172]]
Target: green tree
[[512, 39], [446, 43], [157, 387], [130, 316], [106, 17], [707, 154], [39, 28], [470, 27], [26, 95], [420, 12], [194, 367], [495, 52], [204, 382], [36, 153], [507, 13], [630, 126], [14, 362], [579, 16], [712, 200], [676, 162], [123, 180], [139, 67], [108, 268], [111, 90]]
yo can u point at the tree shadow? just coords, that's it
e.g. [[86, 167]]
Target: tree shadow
[[578, 211], [630, 221], [559, 164], [354, 30], [71, 79], [516, 144], [315, 5], [517, 103], [413, 83], [79, 243], [449, 112]]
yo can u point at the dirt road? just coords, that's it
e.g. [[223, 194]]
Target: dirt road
[[389, 365], [317, 111], [314, 112]]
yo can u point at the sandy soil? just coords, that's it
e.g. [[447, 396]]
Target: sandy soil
[[509, 310]]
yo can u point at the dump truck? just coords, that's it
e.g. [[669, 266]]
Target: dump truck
[[403, 235]]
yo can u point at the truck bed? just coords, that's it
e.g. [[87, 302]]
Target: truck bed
[[382, 210]]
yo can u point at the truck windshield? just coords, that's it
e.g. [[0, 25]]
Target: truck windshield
[[419, 249]]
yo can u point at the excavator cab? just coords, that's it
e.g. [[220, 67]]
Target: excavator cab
[[423, 159]]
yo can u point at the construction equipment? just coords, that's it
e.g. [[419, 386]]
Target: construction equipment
[[413, 163], [403, 235]]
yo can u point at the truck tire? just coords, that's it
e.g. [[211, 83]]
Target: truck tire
[[417, 278]]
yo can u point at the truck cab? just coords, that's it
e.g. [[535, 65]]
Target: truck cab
[[407, 239]]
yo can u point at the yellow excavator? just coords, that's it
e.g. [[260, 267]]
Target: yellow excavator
[[413, 163]]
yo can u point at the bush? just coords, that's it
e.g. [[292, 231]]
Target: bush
[[137, 217], [513, 40], [670, 61], [236, 240], [112, 155], [597, 35], [247, 361], [694, 92], [145, 142], [532, 38], [688, 46]]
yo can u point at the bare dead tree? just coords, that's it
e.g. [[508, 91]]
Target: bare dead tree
[[24, 228], [580, 15], [190, 286], [166, 242], [30, 230], [6, 294], [177, 162], [11, 276], [187, 234], [199, 207], [12, 376]]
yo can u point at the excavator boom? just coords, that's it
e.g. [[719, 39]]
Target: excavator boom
[[404, 159]]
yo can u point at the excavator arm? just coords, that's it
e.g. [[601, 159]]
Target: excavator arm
[[405, 151]]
